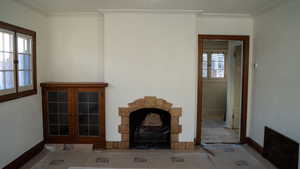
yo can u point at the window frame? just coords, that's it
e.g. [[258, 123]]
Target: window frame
[[209, 62], [20, 93]]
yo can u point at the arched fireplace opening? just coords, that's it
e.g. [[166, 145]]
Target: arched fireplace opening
[[150, 128]]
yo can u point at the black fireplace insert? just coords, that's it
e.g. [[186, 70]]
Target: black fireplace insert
[[150, 128]]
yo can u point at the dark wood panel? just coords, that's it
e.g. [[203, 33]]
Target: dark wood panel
[[25, 157], [225, 37], [282, 151], [74, 84]]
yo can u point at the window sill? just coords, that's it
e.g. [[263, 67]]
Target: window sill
[[14, 96]]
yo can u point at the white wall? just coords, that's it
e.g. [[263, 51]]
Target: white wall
[[234, 84], [150, 54], [276, 80], [158, 44], [75, 48], [225, 25], [21, 119], [76, 41], [214, 98], [231, 25]]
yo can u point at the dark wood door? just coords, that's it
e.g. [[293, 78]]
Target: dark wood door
[[89, 115], [58, 114]]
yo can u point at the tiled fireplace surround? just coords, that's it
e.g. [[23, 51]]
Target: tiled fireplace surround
[[150, 102]]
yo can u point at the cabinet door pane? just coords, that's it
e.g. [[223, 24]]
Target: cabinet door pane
[[88, 113], [58, 123]]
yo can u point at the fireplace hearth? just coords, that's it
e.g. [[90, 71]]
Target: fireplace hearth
[[150, 128]]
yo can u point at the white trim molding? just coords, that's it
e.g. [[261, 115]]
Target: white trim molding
[[74, 14], [150, 11], [225, 14]]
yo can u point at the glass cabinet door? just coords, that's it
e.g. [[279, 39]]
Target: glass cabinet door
[[58, 113], [88, 112]]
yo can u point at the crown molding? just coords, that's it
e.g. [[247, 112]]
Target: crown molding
[[53, 14], [226, 14], [149, 11]]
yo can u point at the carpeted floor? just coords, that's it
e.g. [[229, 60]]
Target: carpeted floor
[[222, 157], [214, 131]]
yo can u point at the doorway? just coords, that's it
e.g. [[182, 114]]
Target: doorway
[[223, 64]]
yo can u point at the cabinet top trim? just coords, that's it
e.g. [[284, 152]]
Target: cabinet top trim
[[74, 84]]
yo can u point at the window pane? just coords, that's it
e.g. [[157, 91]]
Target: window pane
[[6, 61], [220, 73], [93, 130], [2, 81], [204, 73], [204, 57], [1, 41], [25, 78], [24, 62], [9, 79], [88, 112], [6, 80], [217, 65], [213, 73], [213, 66], [2, 84], [220, 65], [24, 44], [217, 73], [204, 65], [6, 42], [217, 57]]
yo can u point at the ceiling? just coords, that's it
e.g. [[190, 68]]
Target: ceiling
[[208, 6]]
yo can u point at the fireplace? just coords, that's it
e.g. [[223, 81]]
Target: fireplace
[[150, 116], [150, 128]]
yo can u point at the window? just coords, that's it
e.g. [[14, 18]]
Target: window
[[217, 65], [17, 62], [213, 65]]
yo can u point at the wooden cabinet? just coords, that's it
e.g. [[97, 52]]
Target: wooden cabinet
[[74, 113]]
